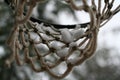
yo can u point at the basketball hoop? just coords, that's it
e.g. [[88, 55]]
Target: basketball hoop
[[45, 46]]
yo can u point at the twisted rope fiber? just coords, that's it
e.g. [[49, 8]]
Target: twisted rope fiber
[[46, 46]]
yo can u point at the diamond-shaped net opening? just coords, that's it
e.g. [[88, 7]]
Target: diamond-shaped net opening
[[46, 47]]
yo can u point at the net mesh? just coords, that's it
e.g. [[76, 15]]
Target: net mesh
[[46, 47]]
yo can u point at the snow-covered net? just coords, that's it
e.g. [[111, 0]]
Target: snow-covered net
[[45, 47]]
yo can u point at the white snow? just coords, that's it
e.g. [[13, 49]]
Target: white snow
[[62, 52], [77, 33], [66, 36], [56, 45]]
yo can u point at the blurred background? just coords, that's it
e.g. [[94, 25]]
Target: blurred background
[[104, 65]]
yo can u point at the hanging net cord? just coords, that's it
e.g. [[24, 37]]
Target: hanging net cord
[[46, 46]]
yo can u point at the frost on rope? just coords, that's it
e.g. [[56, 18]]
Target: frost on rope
[[53, 45]]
